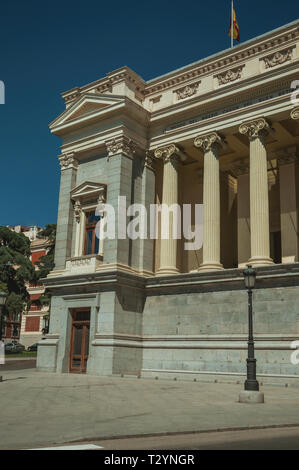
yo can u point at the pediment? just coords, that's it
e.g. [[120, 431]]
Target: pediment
[[88, 189], [87, 105]]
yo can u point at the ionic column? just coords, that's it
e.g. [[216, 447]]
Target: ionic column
[[259, 195], [211, 202], [170, 195]]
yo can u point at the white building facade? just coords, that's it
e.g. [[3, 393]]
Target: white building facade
[[222, 133]]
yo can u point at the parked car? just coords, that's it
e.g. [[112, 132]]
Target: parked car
[[33, 347], [14, 347]]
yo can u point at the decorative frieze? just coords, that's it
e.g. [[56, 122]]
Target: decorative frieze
[[257, 128], [208, 141], [187, 91], [121, 145], [278, 58], [229, 76], [214, 65], [295, 113], [68, 160]]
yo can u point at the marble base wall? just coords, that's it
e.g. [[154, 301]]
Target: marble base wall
[[186, 324]]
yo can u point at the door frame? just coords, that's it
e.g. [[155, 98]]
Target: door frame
[[84, 323]]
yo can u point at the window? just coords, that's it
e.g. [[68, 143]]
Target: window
[[91, 245], [32, 323], [15, 331]]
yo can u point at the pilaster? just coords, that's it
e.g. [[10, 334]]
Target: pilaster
[[121, 152], [65, 219]]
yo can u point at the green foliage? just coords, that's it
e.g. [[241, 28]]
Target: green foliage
[[15, 270], [46, 263]]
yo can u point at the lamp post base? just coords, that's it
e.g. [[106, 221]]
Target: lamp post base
[[247, 396]]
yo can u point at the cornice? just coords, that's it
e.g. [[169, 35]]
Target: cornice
[[270, 43], [123, 105], [232, 94], [105, 84], [223, 60]]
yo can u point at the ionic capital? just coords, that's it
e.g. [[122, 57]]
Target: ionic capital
[[257, 128], [295, 113], [168, 153], [208, 142], [68, 160], [121, 145]]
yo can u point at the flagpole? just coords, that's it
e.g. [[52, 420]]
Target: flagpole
[[232, 26]]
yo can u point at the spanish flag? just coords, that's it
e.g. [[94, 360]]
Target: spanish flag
[[234, 32]]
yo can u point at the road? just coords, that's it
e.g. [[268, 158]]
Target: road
[[256, 439]]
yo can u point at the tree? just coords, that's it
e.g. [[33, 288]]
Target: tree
[[15, 270], [46, 262]]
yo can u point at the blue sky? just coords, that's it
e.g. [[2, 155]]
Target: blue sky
[[50, 47]]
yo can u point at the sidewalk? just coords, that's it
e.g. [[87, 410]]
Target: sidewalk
[[41, 408]]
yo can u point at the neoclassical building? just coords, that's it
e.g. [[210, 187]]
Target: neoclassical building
[[223, 134]]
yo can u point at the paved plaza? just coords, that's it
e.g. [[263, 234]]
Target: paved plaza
[[46, 408]]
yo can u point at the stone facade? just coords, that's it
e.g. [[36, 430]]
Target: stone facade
[[222, 133]]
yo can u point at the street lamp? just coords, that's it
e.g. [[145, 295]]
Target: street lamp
[[46, 321], [3, 297], [251, 393]]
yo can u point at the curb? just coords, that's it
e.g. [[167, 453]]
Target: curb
[[183, 433]]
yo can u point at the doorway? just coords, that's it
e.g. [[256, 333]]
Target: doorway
[[79, 340]]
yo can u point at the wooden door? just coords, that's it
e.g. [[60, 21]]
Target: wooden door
[[79, 340]]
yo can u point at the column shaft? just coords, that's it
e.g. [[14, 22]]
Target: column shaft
[[259, 203], [170, 195], [168, 256], [211, 202]]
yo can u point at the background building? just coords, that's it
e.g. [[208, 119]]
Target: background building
[[27, 327], [222, 132]]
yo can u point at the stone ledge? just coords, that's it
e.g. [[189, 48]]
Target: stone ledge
[[229, 279]]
